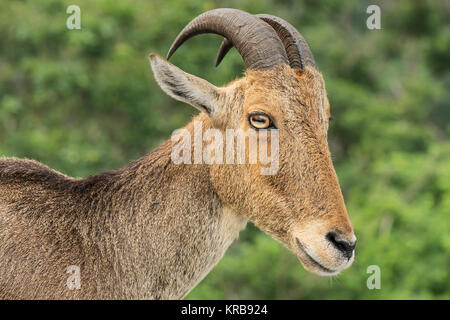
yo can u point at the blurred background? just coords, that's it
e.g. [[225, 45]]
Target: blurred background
[[85, 101]]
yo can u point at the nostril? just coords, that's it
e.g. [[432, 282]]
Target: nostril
[[345, 246]]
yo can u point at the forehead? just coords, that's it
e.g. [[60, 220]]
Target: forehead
[[286, 90]]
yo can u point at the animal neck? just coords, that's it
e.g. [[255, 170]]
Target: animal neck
[[167, 226]]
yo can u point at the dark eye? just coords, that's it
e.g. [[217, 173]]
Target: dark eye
[[330, 119], [260, 121]]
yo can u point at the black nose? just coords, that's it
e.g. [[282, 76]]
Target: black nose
[[345, 246]]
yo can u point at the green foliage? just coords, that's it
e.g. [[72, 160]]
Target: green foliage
[[84, 101]]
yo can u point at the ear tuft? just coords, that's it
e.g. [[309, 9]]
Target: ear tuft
[[183, 86]]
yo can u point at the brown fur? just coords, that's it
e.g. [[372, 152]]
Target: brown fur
[[153, 229]]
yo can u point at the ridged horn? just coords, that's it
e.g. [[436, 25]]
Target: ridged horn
[[297, 49], [257, 42]]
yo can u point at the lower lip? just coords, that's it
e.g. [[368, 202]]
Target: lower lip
[[311, 260]]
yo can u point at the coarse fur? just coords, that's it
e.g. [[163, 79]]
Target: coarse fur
[[154, 229]]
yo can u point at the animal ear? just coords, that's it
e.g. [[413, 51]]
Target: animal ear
[[183, 86]]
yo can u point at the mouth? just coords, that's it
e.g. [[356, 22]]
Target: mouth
[[306, 258]]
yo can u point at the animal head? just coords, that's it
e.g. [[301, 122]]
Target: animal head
[[301, 204]]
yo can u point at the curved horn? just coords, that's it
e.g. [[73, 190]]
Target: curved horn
[[296, 47], [257, 42]]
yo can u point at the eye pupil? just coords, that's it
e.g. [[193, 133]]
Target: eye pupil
[[260, 121]]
